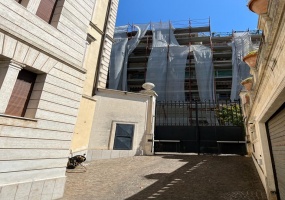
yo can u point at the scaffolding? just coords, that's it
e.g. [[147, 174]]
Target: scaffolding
[[185, 63]]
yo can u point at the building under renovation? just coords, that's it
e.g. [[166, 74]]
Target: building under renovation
[[184, 59]]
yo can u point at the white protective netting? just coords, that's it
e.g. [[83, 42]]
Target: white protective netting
[[117, 57], [131, 45], [166, 63], [204, 71], [175, 89], [121, 50], [241, 46]]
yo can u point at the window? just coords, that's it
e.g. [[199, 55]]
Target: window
[[21, 93], [46, 9], [124, 137], [23, 2], [223, 73]]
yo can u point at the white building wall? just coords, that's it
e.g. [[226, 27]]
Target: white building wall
[[34, 148], [120, 107]]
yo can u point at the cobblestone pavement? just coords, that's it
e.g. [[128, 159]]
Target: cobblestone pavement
[[167, 177]]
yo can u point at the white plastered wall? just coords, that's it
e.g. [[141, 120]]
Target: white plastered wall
[[125, 108]]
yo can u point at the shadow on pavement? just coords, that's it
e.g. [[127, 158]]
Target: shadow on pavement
[[206, 178]]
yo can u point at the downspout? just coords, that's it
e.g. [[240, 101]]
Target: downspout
[[96, 80]]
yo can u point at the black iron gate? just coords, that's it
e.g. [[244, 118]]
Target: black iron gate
[[199, 127]]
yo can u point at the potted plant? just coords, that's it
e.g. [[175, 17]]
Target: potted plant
[[258, 6], [250, 58], [247, 83]]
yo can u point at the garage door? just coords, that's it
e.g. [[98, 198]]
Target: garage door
[[276, 132]]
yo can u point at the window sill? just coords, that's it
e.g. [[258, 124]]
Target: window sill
[[16, 117]]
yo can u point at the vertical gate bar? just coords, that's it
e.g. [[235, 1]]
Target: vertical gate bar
[[232, 114], [185, 114], [218, 112], [175, 114], [164, 113], [182, 123], [214, 112], [179, 114], [197, 128], [194, 115], [182, 104], [157, 114], [167, 113], [242, 129], [236, 110], [188, 114], [201, 111], [225, 119], [226, 109], [210, 109], [171, 113], [160, 114], [229, 118], [205, 112]]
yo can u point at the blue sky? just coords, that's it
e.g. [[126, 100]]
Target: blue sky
[[225, 15]]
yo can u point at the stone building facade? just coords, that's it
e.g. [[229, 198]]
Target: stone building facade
[[42, 73], [264, 110]]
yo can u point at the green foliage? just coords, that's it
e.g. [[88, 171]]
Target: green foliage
[[230, 115]]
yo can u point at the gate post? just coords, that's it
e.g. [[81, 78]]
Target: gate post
[[197, 128], [149, 135]]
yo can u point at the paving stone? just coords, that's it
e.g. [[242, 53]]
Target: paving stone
[[163, 177]]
